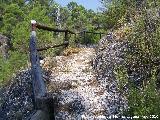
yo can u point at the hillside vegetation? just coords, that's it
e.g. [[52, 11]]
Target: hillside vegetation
[[132, 22], [15, 24], [137, 23]]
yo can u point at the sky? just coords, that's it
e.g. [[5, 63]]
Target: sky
[[88, 4]]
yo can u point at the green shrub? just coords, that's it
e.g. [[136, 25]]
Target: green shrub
[[16, 62], [142, 101]]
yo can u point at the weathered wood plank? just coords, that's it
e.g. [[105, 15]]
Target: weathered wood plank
[[47, 47], [44, 27], [66, 40], [94, 32], [39, 88], [42, 101]]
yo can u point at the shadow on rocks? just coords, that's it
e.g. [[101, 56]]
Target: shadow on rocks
[[16, 98]]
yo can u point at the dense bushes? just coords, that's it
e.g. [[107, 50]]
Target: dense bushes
[[16, 62], [15, 24], [145, 40], [139, 74], [142, 100]]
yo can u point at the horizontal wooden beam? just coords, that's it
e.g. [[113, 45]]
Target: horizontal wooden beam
[[44, 27], [94, 32], [53, 46], [90, 32]]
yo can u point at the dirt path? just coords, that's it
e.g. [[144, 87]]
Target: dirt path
[[82, 93], [80, 96]]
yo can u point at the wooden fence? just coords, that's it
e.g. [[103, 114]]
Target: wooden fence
[[85, 32], [43, 101]]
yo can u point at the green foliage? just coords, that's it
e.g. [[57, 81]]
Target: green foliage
[[121, 76], [115, 10], [141, 101], [77, 18], [15, 16], [16, 62], [22, 29], [144, 39], [12, 15], [143, 52], [144, 101], [16, 26]]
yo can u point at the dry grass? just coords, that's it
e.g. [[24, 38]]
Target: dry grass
[[93, 83], [70, 51], [56, 86], [49, 63]]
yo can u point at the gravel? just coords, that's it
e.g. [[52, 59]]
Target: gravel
[[85, 85], [110, 54], [16, 98], [92, 93]]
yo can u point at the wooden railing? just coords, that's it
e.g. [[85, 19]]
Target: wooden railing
[[42, 100], [66, 39], [85, 32], [89, 32]]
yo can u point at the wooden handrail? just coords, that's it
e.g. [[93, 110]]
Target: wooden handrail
[[84, 32], [36, 25], [52, 46], [41, 99], [44, 27], [91, 32]]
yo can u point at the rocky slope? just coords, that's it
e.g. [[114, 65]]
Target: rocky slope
[[110, 55], [82, 79], [16, 98], [85, 82], [79, 94]]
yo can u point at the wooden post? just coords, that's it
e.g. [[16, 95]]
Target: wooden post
[[84, 37], [75, 37], [39, 88], [41, 99], [66, 39], [100, 35], [76, 40]]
